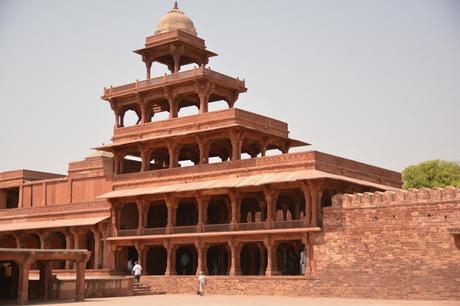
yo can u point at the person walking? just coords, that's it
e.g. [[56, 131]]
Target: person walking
[[137, 271], [201, 283]]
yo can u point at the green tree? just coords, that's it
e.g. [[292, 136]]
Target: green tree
[[432, 173]]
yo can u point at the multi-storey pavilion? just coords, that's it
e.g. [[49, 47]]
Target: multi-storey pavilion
[[205, 186]]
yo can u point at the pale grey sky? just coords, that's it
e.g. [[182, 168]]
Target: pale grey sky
[[374, 81]]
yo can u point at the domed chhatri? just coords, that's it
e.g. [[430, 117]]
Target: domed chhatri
[[174, 20]]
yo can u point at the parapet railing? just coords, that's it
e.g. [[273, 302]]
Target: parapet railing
[[199, 71], [217, 227], [127, 232], [52, 208], [388, 198]]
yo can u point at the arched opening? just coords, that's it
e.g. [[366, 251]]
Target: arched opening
[[253, 259], [56, 240], [30, 241], [290, 205], [250, 148], [189, 155], [253, 208], [186, 260], [218, 210], [220, 150], [288, 258], [157, 215], [156, 260], [273, 152], [159, 116], [125, 259], [218, 259], [130, 116], [186, 213], [132, 163], [159, 159], [8, 242], [129, 216]]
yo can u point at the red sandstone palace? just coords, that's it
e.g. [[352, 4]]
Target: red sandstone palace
[[204, 192]]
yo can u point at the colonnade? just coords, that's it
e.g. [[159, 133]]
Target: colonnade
[[267, 204], [229, 145], [264, 254]]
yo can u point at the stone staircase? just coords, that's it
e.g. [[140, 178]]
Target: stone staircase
[[143, 289]]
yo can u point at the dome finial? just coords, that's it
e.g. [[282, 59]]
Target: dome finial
[[176, 7]]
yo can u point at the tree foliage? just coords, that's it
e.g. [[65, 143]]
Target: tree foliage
[[432, 173]]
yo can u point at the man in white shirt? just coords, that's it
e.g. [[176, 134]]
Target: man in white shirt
[[201, 283], [137, 271]]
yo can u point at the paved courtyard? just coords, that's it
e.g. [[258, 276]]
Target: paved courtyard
[[236, 300]]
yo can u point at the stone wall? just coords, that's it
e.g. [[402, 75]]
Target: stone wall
[[394, 245], [391, 245]]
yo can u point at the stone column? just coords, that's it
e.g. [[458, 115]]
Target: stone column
[[97, 247], [145, 156], [270, 198], [140, 217], [235, 207], [172, 102], [115, 218], [169, 258], [201, 201], [236, 138], [140, 248], [203, 146], [204, 92], [262, 259], [235, 249], [270, 258], [45, 275], [23, 282], [316, 193], [148, 66], [199, 245], [171, 204], [308, 208], [68, 245], [3, 197], [80, 281], [173, 151]]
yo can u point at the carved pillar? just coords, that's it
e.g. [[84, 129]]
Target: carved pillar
[[231, 99], [115, 212], [145, 157], [316, 189], [23, 282], [308, 207], [235, 208], [148, 66], [141, 258], [97, 247], [236, 138], [140, 216], [45, 275], [269, 245], [171, 204], [80, 281], [172, 102], [170, 249], [235, 249], [270, 199], [199, 245], [204, 92], [68, 245], [173, 151], [203, 146], [105, 257], [202, 202]]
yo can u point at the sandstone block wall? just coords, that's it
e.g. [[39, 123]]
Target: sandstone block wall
[[391, 245]]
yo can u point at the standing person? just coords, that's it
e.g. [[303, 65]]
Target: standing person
[[184, 263], [303, 261], [137, 270], [201, 283], [130, 266]]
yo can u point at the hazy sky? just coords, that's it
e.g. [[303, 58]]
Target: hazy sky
[[374, 81]]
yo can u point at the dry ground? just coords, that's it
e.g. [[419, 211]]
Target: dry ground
[[236, 300]]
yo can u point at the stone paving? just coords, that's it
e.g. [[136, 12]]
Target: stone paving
[[238, 300]]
